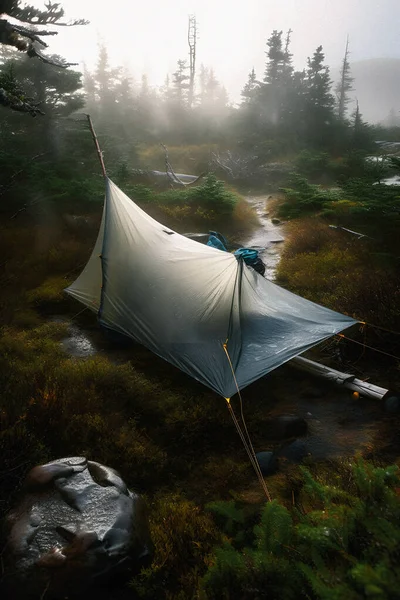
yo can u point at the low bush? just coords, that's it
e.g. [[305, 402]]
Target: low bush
[[340, 540], [302, 197], [341, 272], [183, 536], [312, 164]]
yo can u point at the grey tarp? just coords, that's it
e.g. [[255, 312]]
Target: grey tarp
[[184, 300]]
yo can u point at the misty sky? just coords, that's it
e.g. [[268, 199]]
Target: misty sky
[[150, 35]]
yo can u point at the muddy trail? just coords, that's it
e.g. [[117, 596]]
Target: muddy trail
[[267, 238]]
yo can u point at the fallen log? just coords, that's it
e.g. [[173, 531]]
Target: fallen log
[[347, 380]]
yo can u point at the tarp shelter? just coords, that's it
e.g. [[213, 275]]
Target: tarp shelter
[[184, 300]]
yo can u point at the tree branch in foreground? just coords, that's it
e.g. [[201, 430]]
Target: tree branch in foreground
[[19, 104]]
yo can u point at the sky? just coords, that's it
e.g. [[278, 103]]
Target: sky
[[149, 36]]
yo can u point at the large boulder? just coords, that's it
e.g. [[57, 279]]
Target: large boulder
[[76, 526]]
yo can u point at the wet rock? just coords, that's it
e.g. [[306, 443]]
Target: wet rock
[[392, 404], [295, 452], [287, 426], [76, 526], [268, 463], [275, 221]]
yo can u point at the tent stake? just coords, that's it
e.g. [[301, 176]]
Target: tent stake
[[96, 142]]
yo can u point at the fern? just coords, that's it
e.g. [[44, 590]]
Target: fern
[[275, 531]]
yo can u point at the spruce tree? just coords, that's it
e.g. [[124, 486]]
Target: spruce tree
[[25, 38], [276, 58], [250, 89], [275, 91], [361, 138], [181, 83], [319, 101]]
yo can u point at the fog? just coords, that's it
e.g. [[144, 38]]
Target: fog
[[150, 37]]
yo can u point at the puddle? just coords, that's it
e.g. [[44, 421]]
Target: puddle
[[77, 344], [338, 424]]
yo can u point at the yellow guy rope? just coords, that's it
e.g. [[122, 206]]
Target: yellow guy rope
[[344, 337], [246, 443]]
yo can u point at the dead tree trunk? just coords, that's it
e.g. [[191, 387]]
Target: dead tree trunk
[[192, 39]]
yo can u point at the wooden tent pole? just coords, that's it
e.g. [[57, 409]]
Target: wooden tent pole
[[347, 380], [96, 142]]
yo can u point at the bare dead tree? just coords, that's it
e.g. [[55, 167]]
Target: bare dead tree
[[345, 85], [172, 176], [192, 41]]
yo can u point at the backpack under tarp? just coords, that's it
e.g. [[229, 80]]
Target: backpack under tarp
[[251, 258]]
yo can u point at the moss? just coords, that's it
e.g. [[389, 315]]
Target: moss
[[183, 537], [50, 293]]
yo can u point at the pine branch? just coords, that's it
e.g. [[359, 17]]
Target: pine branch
[[34, 51], [32, 16], [21, 105], [11, 34]]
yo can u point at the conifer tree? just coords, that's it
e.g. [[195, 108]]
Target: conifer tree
[[26, 38], [180, 83], [319, 101], [250, 89]]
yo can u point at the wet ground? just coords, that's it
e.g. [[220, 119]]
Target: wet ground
[[338, 423], [267, 238]]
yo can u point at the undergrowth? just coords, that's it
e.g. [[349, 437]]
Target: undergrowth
[[341, 539], [337, 270], [170, 439]]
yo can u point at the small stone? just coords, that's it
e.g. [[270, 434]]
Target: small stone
[[294, 453], [268, 463], [275, 221]]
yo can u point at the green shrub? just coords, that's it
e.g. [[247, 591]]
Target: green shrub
[[304, 198], [213, 195], [341, 541], [140, 193], [311, 164]]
